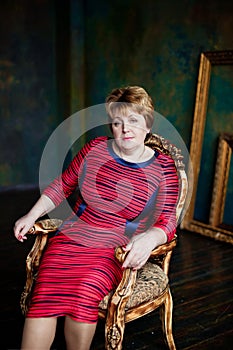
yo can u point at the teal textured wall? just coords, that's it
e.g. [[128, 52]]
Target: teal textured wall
[[27, 88], [57, 57]]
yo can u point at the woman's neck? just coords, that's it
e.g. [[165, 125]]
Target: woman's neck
[[136, 155]]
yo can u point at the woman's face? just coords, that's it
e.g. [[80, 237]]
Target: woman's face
[[129, 129]]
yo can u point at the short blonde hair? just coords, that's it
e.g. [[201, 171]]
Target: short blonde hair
[[130, 97]]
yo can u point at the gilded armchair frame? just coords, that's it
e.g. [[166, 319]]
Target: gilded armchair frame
[[116, 313]]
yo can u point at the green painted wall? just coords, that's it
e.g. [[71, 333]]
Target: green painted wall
[[57, 57], [27, 88], [156, 44]]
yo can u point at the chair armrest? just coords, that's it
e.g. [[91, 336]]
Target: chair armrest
[[120, 254], [115, 321], [41, 229], [162, 249], [45, 226], [161, 254], [127, 282]]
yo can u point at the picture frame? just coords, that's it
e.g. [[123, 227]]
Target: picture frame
[[221, 179], [214, 226]]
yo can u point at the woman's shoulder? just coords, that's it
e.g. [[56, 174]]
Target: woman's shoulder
[[95, 142]]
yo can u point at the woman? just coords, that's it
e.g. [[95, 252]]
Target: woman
[[127, 196]]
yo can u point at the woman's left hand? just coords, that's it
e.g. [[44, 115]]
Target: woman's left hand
[[140, 247]]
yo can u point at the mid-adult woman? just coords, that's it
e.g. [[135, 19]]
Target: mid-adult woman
[[127, 196]]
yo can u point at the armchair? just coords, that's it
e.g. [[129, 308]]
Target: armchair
[[139, 292]]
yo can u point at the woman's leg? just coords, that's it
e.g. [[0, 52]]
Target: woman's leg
[[38, 333], [78, 335]]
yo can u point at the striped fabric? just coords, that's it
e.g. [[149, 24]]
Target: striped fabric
[[115, 191], [72, 280], [78, 267]]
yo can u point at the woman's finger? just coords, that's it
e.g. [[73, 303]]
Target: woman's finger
[[20, 230]]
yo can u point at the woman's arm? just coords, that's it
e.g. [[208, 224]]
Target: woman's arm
[[56, 192], [43, 206], [162, 223]]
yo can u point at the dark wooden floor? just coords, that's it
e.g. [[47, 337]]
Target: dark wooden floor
[[201, 282]]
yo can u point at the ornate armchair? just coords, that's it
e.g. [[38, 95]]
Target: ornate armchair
[[139, 292]]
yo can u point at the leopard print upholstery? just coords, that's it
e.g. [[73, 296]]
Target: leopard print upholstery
[[151, 282]]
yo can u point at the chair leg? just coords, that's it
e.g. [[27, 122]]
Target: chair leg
[[115, 320], [166, 318], [114, 337]]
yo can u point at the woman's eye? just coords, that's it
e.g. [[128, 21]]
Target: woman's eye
[[133, 120], [116, 124]]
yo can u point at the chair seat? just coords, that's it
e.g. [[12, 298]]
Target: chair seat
[[150, 283]]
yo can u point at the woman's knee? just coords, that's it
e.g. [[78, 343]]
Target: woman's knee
[[38, 333], [78, 335]]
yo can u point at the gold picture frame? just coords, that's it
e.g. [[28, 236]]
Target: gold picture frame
[[221, 178], [215, 228]]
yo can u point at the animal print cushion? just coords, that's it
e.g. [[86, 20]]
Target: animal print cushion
[[151, 282]]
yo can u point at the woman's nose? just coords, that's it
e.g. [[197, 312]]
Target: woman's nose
[[125, 127]]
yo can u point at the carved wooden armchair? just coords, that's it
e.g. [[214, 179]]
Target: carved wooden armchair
[[139, 292]]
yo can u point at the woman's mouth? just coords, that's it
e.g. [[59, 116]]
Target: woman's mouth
[[127, 138]]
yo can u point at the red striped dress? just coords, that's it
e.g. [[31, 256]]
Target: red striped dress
[[116, 200]]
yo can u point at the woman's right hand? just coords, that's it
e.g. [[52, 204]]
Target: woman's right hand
[[43, 206], [22, 226]]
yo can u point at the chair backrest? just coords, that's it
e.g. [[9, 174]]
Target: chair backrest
[[162, 145]]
